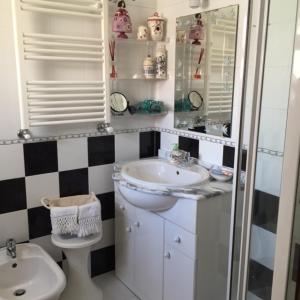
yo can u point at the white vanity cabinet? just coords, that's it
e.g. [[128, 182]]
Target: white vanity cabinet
[[179, 275], [139, 249], [173, 255]]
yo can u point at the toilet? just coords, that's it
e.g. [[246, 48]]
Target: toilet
[[79, 283]]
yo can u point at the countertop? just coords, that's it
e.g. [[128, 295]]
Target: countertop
[[208, 189]]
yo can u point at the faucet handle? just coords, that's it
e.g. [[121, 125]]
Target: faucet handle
[[10, 244]]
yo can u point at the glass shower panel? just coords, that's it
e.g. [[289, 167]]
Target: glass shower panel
[[272, 128]]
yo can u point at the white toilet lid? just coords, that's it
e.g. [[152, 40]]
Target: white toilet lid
[[71, 242]]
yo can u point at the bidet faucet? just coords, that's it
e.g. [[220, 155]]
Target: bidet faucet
[[11, 248]]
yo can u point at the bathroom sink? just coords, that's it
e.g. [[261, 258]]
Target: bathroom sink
[[33, 275], [158, 174]]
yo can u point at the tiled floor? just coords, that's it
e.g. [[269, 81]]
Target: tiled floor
[[113, 288]]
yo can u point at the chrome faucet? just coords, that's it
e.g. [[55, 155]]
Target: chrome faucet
[[180, 157], [11, 248]]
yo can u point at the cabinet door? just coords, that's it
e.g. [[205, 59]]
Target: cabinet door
[[179, 275], [148, 263], [124, 245]]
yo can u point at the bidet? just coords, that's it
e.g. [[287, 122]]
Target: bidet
[[31, 275]]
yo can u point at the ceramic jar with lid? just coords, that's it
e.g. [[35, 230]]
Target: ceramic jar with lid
[[149, 67], [156, 25]]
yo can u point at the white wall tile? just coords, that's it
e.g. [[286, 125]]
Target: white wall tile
[[100, 179], [72, 154], [263, 244], [38, 186], [127, 146], [276, 87], [280, 13], [280, 44], [268, 174], [11, 162], [14, 225], [168, 140], [211, 152], [272, 129], [46, 243]]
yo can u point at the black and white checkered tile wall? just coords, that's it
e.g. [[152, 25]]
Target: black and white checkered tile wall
[[68, 167], [64, 168]]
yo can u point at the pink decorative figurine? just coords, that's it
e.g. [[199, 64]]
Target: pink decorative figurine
[[197, 31], [122, 22]]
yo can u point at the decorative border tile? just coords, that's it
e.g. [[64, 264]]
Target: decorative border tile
[[201, 137]]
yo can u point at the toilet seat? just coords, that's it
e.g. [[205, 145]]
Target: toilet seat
[[72, 242]]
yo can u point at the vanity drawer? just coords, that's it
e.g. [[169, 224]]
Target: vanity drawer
[[181, 239]]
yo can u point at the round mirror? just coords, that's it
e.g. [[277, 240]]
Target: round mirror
[[196, 100], [118, 103]]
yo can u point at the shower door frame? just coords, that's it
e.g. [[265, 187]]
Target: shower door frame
[[289, 183], [290, 171]]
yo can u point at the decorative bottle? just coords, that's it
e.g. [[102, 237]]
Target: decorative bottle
[[149, 67], [161, 59]]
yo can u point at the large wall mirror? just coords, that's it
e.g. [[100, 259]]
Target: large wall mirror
[[205, 66]]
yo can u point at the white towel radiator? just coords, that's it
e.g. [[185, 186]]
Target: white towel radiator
[[81, 93]]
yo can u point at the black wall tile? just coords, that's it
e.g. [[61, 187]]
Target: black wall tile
[[189, 145], [102, 261], [244, 160], [101, 150], [13, 195], [149, 144], [260, 280], [40, 158], [296, 263], [228, 156], [107, 205], [39, 222], [74, 182], [265, 210]]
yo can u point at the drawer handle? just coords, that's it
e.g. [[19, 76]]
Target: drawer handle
[[128, 229], [177, 240], [168, 255], [137, 224], [122, 207]]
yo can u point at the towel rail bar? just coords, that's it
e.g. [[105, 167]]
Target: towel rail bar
[[60, 12], [64, 122], [63, 5]]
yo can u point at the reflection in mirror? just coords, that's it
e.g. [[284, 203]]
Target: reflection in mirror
[[196, 100], [118, 103], [205, 65]]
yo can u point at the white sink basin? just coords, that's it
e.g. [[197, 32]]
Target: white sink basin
[[157, 174], [33, 272]]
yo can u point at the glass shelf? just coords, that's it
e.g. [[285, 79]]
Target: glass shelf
[[134, 41], [127, 114], [137, 78]]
